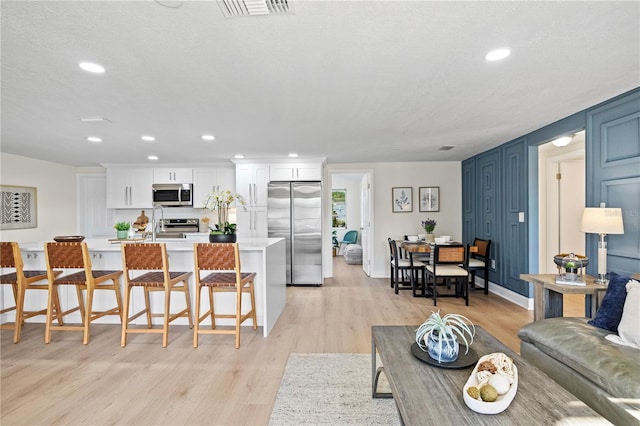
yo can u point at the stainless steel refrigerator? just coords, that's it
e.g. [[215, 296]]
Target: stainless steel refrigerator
[[295, 214]]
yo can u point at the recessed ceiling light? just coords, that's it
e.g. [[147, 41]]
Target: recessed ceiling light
[[496, 55], [148, 138], [208, 137], [238, 156], [94, 119], [91, 67], [152, 157], [94, 139], [293, 155]]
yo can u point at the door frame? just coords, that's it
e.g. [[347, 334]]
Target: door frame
[[367, 249]]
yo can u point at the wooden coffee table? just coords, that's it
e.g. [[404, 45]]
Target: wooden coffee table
[[426, 394]]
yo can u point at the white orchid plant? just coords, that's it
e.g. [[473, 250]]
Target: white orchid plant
[[220, 201]]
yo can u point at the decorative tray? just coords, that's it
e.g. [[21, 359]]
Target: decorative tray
[[463, 361], [68, 238], [502, 402]]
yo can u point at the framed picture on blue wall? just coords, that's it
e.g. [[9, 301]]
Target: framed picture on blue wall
[[402, 199]]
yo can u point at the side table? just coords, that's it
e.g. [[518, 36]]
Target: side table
[[548, 296]]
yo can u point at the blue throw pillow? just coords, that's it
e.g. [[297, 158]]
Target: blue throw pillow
[[610, 312]]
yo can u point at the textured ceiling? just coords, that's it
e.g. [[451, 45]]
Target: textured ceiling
[[352, 81]]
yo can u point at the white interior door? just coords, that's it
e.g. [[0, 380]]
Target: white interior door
[[365, 222]]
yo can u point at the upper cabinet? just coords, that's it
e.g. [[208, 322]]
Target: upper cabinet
[[206, 180], [252, 181], [173, 175], [295, 171], [129, 188]]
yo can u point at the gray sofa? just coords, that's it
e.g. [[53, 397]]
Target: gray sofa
[[604, 375]]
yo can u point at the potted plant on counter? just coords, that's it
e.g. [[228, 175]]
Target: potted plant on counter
[[122, 229], [219, 202], [438, 336]]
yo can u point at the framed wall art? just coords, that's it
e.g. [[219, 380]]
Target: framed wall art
[[429, 198], [339, 208], [402, 199], [18, 207]]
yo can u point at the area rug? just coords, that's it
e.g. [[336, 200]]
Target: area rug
[[330, 388]]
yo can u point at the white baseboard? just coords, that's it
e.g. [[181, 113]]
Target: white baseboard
[[498, 290], [507, 294]]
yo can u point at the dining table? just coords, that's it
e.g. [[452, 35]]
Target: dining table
[[423, 248]]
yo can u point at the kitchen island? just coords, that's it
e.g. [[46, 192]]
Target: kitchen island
[[264, 256]]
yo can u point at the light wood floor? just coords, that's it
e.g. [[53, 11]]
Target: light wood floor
[[71, 384]]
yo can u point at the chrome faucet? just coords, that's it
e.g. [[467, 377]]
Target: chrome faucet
[[153, 221]]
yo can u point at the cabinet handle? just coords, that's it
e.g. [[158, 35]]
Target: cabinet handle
[[97, 256], [255, 194]]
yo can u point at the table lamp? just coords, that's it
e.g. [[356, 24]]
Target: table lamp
[[603, 221]]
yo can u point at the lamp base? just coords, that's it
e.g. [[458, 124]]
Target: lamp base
[[602, 279]]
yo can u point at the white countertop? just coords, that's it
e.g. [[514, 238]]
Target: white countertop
[[173, 244]]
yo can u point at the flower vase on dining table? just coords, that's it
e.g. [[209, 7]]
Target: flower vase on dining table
[[429, 238]]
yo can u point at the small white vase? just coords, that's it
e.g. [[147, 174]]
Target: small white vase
[[429, 238]]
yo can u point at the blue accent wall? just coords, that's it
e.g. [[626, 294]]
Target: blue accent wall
[[500, 183]]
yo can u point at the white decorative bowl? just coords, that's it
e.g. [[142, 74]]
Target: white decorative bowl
[[440, 240], [447, 238], [412, 238], [500, 404]]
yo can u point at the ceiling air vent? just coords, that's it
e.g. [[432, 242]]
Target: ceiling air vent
[[237, 8], [446, 147]]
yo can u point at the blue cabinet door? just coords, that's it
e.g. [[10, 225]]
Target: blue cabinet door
[[613, 178], [514, 251], [488, 168]]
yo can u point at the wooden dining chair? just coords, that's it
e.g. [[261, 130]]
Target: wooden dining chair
[[224, 260], [146, 265], [75, 260], [20, 281], [402, 268], [479, 260], [448, 264]]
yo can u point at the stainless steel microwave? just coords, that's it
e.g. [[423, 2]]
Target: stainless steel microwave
[[173, 194]]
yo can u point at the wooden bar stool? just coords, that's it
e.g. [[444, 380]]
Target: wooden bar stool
[[21, 281], [225, 260], [152, 257], [74, 257]]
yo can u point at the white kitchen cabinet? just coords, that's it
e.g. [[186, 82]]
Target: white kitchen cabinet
[[206, 180], [129, 188], [173, 175], [294, 172], [252, 223], [252, 181]]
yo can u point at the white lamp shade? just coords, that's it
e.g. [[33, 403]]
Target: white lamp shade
[[602, 220]]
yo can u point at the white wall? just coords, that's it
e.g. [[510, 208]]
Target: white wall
[[445, 174], [56, 196]]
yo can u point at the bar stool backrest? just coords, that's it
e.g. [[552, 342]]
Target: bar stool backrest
[[217, 257], [7, 260], [144, 256], [67, 255]]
